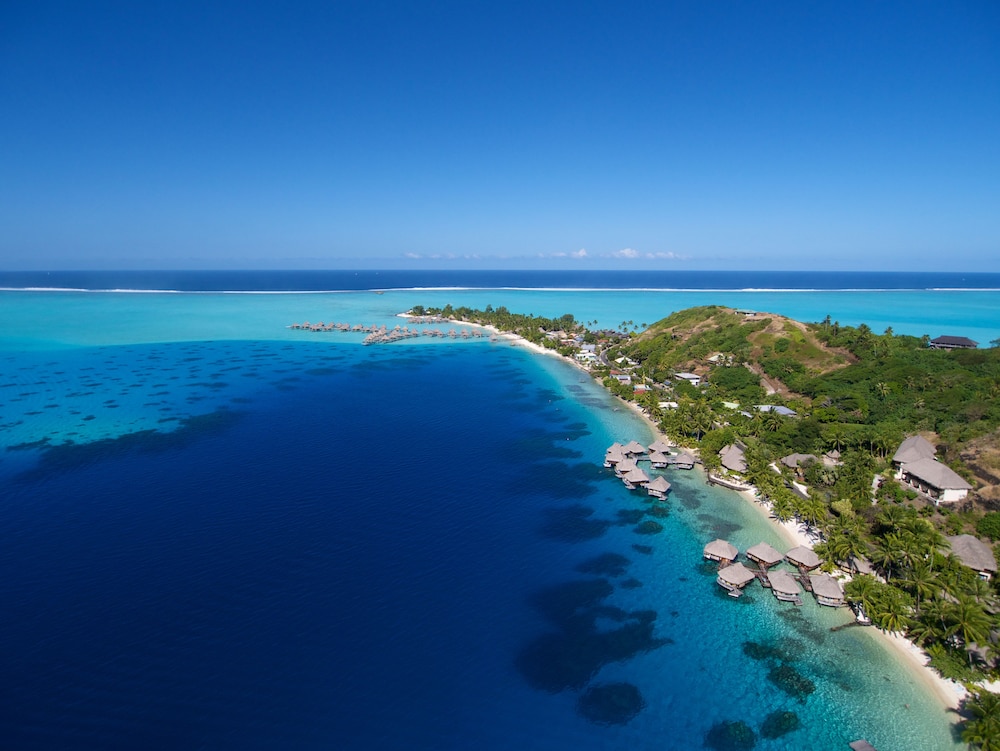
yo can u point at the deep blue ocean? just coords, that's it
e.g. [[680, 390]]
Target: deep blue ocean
[[312, 281], [220, 533]]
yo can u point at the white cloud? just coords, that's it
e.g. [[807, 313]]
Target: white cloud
[[412, 255], [669, 256], [626, 253], [581, 253]]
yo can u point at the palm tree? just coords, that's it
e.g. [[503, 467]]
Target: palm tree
[[888, 552], [863, 590], [922, 581], [983, 729], [892, 615], [782, 508], [969, 621]]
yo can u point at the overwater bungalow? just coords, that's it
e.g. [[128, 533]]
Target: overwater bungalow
[[721, 551], [784, 586], [635, 448], [625, 466], [735, 578], [658, 445], [613, 455], [764, 555], [804, 558], [683, 460], [827, 590], [634, 479], [658, 488], [861, 745], [658, 460]]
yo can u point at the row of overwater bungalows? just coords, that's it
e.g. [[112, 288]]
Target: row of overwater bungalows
[[784, 584], [625, 458]]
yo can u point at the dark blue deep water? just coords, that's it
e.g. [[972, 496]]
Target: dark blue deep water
[[345, 561]]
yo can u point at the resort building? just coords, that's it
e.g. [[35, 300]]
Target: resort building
[[803, 557], [721, 550], [764, 555], [784, 586], [953, 342], [916, 467], [658, 488], [734, 578], [733, 458], [975, 554], [683, 460], [827, 590], [693, 378], [776, 408]]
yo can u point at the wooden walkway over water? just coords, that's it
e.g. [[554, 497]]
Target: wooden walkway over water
[[376, 334]]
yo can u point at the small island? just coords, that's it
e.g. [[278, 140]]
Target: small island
[[884, 448]]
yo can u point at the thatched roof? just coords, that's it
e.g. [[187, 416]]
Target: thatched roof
[[683, 458], [733, 459], [636, 477], [794, 461], [783, 583], [660, 446], [913, 448], [937, 475], [614, 455], [824, 585], [765, 554], [625, 466], [658, 457], [736, 575], [721, 550], [973, 552], [803, 556], [634, 447], [659, 484], [861, 745]]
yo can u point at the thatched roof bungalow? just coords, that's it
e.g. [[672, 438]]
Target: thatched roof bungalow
[[625, 466], [803, 557], [764, 555], [734, 578], [658, 460], [635, 478], [784, 586], [658, 487], [827, 590], [683, 460], [721, 550], [975, 554], [635, 448], [733, 459]]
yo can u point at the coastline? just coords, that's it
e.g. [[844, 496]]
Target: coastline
[[947, 692]]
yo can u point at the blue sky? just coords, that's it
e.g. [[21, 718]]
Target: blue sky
[[765, 135]]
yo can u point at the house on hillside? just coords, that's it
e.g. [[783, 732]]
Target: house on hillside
[[693, 378], [777, 408], [952, 342], [912, 449], [916, 467], [975, 554]]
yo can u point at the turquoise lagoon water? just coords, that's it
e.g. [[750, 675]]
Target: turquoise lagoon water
[[222, 533]]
